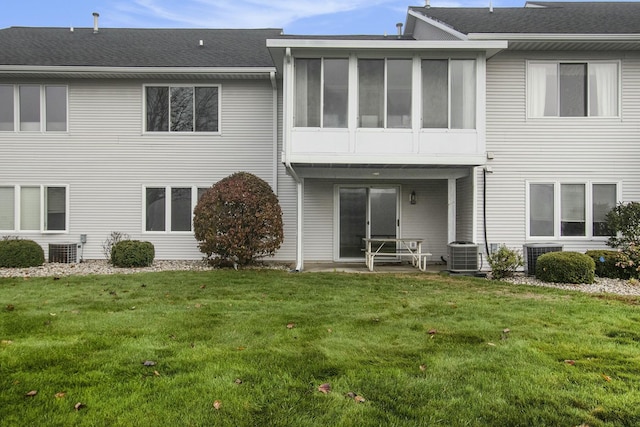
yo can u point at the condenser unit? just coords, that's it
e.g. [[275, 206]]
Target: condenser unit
[[65, 253], [533, 250], [462, 257]]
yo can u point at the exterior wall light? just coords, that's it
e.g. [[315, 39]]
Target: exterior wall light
[[412, 197]]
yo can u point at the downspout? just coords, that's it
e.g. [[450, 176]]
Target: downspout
[[297, 179], [274, 86]]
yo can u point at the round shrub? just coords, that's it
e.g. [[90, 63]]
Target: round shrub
[[132, 253], [18, 253], [238, 220], [565, 267], [607, 263]]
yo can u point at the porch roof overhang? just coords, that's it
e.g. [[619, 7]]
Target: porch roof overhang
[[279, 48], [380, 172], [91, 72]]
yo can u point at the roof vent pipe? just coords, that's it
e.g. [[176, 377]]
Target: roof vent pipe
[[427, 3], [399, 27], [490, 6], [96, 15]]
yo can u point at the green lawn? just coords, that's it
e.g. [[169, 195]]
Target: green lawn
[[421, 350]]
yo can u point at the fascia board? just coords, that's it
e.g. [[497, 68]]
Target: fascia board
[[142, 71], [388, 44], [553, 37]]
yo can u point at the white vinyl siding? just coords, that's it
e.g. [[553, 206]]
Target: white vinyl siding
[[554, 149], [106, 159]]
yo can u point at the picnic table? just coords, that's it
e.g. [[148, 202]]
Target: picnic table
[[401, 247]]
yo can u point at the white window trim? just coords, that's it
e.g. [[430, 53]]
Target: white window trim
[[557, 210], [43, 109], [169, 132], [167, 208], [17, 190], [570, 118]]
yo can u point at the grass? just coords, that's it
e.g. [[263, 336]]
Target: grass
[[422, 350]]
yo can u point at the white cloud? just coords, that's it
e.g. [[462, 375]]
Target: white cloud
[[235, 14]]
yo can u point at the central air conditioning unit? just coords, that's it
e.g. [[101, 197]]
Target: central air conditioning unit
[[64, 253], [533, 250], [462, 257]]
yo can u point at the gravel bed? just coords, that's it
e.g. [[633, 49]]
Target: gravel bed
[[601, 285]]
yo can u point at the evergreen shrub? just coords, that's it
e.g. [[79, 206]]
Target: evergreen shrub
[[20, 253], [132, 253], [565, 267]]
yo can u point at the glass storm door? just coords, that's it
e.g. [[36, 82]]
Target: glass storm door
[[366, 212]]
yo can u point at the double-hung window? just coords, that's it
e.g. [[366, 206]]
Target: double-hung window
[[384, 93], [449, 93], [558, 209], [182, 108], [321, 92], [41, 208], [38, 108], [170, 209], [573, 89]]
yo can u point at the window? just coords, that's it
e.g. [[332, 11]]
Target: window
[[33, 100], [561, 209], [321, 91], [449, 93], [33, 208], [170, 208], [573, 89], [384, 93], [182, 108], [6, 108], [38, 108]]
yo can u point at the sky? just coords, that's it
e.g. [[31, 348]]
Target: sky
[[294, 16]]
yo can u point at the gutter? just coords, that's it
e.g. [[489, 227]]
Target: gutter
[[274, 120]]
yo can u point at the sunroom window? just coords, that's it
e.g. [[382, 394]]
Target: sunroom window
[[448, 93], [573, 89], [321, 92], [182, 108], [384, 93]]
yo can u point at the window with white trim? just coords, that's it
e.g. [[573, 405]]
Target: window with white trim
[[38, 108], [384, 93], [42, 208], [179, 108], [449, 93], [321, 92], [573, 89], [170, 209], [558, 209]]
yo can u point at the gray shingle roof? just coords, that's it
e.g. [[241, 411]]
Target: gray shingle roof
[[543, 18], [123, 47]]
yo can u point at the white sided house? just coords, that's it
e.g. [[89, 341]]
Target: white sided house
[[492, 126]]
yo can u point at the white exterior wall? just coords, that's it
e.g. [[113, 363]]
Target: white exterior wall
[[106, 159], [559, 149]]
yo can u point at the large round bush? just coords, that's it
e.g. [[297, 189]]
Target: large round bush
[[565, 267], [132, 253], [238, 220], [18, 253]]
